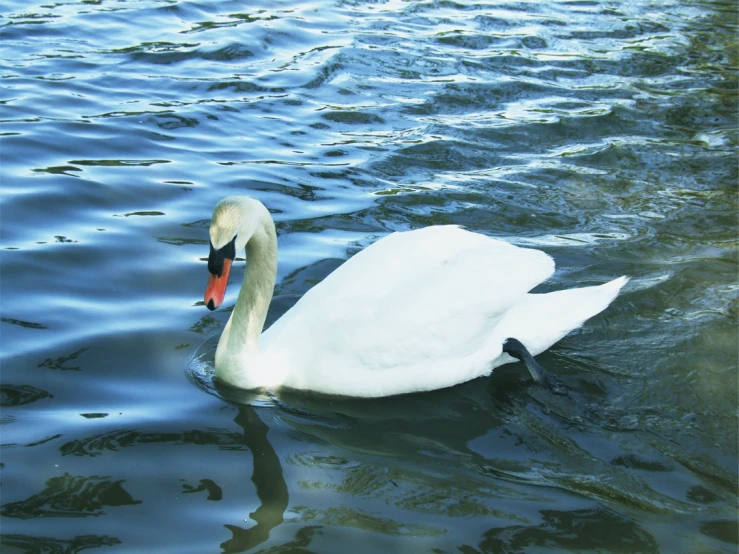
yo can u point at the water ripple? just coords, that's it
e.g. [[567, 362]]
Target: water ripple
[[603, 133]]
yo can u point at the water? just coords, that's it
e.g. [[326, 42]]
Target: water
[[603, 133]]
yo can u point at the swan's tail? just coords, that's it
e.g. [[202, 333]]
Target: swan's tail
[[544, 319]]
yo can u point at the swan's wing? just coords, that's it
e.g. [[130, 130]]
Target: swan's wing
[[411, 300], [540, 320]]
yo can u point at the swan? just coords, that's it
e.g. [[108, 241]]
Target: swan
[[415, 311]]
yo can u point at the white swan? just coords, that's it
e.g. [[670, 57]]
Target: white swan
[[415, 311]]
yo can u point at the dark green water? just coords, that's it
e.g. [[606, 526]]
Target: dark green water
[[604, 133]]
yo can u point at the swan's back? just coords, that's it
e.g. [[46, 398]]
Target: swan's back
[[414, 311]]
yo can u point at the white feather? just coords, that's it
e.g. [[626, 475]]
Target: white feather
[[415, 311]]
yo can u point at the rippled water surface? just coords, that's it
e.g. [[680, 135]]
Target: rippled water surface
[[604, 133]]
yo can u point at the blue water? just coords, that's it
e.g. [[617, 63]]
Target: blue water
[[602, 133]]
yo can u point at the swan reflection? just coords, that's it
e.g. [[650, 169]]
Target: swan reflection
[[269, 482]]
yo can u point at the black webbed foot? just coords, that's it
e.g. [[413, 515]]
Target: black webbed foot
[[515, 348]]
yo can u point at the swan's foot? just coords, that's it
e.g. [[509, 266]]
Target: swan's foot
[[515, 348]]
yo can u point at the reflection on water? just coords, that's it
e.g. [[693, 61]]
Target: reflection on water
[[70, 496], [16, 395], [405, 442], [35, 543], [214, 491], [115, 440], [578, 530], [602, 133], [268, 480], [62, 362], [77, 496]]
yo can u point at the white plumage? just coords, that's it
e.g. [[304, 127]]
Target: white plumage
[[415, 311]]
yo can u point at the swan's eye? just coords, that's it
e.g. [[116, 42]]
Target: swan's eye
[[216, 257]]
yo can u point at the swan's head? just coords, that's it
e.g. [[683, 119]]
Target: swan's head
[[231, 228]]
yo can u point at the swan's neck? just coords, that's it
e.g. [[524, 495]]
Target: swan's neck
[[238, 347], [247, 319]]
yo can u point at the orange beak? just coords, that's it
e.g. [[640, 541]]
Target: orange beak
[[215, 290]]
